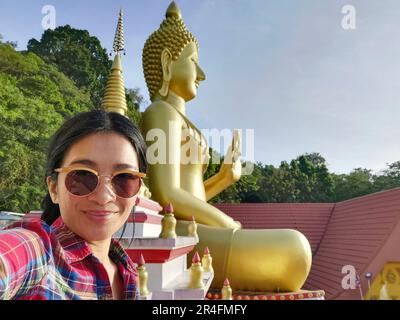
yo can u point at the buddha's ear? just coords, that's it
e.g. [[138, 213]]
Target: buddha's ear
[[166, 63]]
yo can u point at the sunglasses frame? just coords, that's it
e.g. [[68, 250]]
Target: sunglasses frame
[[68, 170]]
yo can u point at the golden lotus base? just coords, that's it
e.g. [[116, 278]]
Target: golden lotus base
[[251, 295]]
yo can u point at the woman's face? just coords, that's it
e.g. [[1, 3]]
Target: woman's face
[[186, 73], [99, 215]]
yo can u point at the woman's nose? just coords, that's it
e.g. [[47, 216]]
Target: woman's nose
[[104, 192]]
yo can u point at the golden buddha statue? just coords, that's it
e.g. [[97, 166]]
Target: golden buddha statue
[[262, 260]]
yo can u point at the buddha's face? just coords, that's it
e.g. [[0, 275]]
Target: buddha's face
[[186, 73]]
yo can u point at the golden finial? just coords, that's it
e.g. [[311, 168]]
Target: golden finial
[[168, 223], [143, 277], [173, 11], [196, 273], [192, 229], [114, 99], [119, 44], [226, 291], [207, 261]]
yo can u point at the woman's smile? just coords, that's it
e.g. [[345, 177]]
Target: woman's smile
[[100, 215]]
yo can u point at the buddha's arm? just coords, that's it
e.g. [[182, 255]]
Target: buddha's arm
[[229, 173], [165, 188], [215, 185], [165, 179]]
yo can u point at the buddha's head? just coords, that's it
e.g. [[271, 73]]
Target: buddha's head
[[170, 59]]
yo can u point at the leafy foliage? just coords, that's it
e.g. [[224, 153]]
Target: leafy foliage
[[34, 100], [78, 55], [134, 100], [305, 179], [59, 76], [10, 43]]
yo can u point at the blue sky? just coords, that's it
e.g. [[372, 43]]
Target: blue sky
[[286, 69]]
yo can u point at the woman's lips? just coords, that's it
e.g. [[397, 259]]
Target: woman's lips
[[99, 215]]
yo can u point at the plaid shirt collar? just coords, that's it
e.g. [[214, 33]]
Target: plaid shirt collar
[[76, 249]]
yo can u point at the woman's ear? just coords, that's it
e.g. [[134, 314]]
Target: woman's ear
[[52, 187], [166, 64]]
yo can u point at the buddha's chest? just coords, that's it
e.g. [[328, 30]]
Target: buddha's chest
[[194, 149]]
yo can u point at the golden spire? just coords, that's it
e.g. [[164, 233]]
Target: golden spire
[[119, 44], [114, 99]]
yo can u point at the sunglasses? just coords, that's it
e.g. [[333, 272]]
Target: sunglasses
[[84, 181]]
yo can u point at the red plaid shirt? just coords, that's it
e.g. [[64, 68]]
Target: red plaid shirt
[[41, 262]]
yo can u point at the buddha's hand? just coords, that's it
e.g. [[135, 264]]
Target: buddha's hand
[[231, 168]]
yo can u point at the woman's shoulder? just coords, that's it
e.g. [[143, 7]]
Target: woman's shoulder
[[28, 230], [29, 240], [29, 224]]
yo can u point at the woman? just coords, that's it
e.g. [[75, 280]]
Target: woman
[[95, 164]]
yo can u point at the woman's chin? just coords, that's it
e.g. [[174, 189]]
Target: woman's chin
[[100, 230], [98, 235]]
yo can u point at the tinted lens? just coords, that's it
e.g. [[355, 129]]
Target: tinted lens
[[126, 185], [81, 182]]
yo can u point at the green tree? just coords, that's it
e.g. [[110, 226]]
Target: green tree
[[283, 186], [389, 179], [312, 178], [34, 100], [81, 57], [393, 171], [10, 43], [134, 100], [304, 179], [78, 55], [358, 183]]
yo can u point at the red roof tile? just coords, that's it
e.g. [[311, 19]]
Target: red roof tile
[[358, 231]]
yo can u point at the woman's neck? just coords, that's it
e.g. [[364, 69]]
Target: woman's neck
[[100, 250]]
